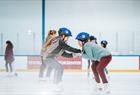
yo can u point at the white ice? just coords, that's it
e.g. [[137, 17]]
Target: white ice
[[74, 83]]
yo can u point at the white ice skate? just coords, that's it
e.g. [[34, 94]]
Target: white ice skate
[[97, 89], [13, 74], [10, 74], [48, 80], [42, 79], [106, 89], [59, 87]]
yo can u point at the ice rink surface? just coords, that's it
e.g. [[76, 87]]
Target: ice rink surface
[[74, 83]]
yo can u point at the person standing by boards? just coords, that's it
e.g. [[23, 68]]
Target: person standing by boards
[[9, 59]]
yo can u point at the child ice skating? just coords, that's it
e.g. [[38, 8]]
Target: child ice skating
[[104, 45], [58, 48], [50, 36], [102, 56]]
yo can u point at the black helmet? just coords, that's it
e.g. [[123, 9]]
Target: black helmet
[[104, 42]]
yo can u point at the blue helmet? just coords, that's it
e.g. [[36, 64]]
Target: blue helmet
[[82, 36], [64, 31], [104, 42]]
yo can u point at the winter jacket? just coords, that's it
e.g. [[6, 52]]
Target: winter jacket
[[94, 52], [9, 55], [61, 49]]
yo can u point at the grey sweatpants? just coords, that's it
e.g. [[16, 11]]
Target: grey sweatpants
[[54, 64], [43, 68]]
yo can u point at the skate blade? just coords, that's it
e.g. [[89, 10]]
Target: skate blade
[[106, 93], [58, 92], [41, 80]]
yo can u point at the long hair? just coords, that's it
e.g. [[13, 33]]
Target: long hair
[[9, 44], [51, 32], [49, 38]]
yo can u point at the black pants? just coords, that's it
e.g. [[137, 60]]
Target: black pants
[[10, 65]]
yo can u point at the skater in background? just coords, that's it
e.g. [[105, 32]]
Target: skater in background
[[102, 56], [9, 58], [93, 39], [104, 43], [58, 48], [50, 36]]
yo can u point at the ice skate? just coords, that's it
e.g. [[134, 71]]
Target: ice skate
[[106, 89], [48, 80], [42, 79], [97, 89], [16, 74], [10, 74], [58, 87]]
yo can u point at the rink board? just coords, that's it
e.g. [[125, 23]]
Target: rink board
[[19, 63], [34, 62], [118, 63]]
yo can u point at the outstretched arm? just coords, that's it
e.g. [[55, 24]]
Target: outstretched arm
[[68, 48]]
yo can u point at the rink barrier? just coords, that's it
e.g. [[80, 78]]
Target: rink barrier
[[74, 70], [34, 62], [139, 62], [125, 63], [120, 63]]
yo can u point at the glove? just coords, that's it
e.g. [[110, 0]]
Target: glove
[[79, 51], [77, 54]]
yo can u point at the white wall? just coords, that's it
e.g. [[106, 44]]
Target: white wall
[[17, 17], [102, 18]]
